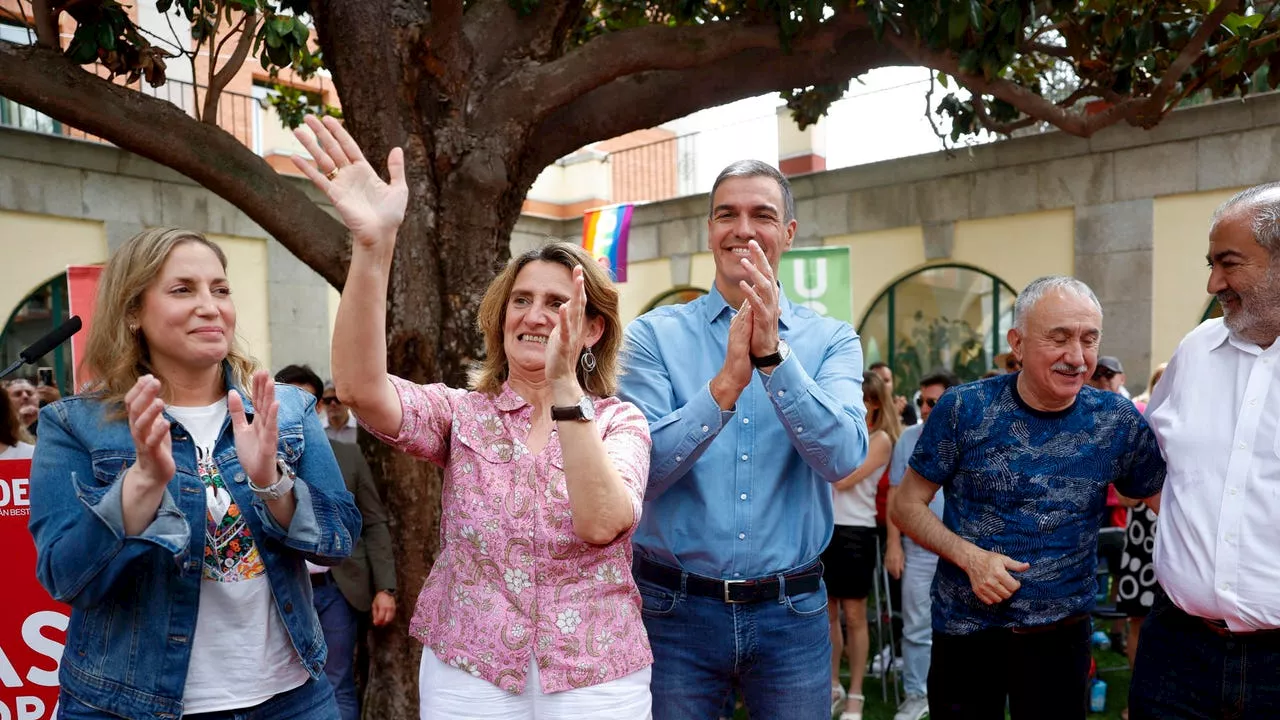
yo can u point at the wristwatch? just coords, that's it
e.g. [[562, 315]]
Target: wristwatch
[[775, 358], [281, 487], [583, 411]]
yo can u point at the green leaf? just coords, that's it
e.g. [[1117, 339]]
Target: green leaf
[[300, 34], [975, 15], [969, 62], [957, 24], [106, 37], [1009, 18], [942, 80], [82, 52], [282, 25], [1234, 22]]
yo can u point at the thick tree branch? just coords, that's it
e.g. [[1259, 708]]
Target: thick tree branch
[[158, 130], [1021, 98], [546, 87], [1040, 48], [47, 33], [652, 98], [217, 81]]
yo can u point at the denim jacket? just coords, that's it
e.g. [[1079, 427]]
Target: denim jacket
[[134, 598]]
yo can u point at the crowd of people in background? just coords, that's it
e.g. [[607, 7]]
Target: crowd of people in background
[[656, 520]]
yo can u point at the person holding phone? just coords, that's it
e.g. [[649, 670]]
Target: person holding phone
[[14, 441]]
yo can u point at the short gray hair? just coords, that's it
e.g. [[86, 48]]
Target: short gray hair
[[756, 168], [1263, 204], [1042, 286]]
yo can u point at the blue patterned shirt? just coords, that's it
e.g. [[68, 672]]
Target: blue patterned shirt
[[742, 493], [1031, 485]]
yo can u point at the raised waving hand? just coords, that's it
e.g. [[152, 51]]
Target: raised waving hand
[[370, 208]]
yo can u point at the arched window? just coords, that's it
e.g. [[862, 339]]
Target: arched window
[[37, 314], [675, 296], [952, 317]]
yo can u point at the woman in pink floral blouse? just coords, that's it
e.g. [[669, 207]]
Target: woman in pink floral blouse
[[530, 610]]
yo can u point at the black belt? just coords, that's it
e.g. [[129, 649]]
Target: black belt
[[805, 580], [321, 579], [1219, 627]]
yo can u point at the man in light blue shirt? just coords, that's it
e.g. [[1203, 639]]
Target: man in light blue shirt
[[905, 559], [755, 407]]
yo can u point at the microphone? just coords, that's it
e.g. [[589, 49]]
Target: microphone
[[41, 347]]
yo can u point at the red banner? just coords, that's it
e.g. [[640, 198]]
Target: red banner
[[82, 295], [33, 628]]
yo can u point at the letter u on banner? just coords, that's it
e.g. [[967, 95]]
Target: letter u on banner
[[819, 279]]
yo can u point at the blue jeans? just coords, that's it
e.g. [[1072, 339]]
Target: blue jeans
[[1184, 669], [776, 652], [341, 625], [311, 701], [917, 617]]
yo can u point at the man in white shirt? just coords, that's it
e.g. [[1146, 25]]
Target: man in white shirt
[[1212, 648]]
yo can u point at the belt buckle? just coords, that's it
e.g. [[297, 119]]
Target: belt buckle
[[727, 585]]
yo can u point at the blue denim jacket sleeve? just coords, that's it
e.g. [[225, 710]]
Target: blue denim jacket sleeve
[[325, 522], [77, 518]]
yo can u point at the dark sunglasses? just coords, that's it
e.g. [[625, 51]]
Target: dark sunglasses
[[1103, 374], [330, 401], [921, 401]]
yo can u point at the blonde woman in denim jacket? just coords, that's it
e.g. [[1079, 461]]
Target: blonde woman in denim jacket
[[174, 503]]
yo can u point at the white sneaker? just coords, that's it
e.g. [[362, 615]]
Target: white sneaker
[[913, 708]]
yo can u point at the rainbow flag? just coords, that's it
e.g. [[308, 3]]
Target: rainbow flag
[[604, 235]]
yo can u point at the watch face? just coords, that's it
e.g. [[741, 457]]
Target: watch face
[[587, 407]]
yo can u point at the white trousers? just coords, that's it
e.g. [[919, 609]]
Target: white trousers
[[447, 693]]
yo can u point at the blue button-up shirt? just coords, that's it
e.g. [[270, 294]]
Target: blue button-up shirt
[[743, 493]]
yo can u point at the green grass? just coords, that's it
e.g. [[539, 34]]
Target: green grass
[[1112, 668]]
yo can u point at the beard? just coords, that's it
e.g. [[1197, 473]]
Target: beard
[[1257, 318]]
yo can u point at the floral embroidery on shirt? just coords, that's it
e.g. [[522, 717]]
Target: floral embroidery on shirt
[[230, 553], [512, 580]]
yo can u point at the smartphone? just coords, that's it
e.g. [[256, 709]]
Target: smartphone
[[44, 376]]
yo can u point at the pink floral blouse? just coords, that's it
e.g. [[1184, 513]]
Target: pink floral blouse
[[511, 578]]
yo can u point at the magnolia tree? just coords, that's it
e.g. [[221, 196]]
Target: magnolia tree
[[482, 95]]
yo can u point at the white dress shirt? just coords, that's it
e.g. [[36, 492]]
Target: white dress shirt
[[1216, 412]]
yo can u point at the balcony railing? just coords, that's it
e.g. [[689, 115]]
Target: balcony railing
[[656, 171], [238, 114]]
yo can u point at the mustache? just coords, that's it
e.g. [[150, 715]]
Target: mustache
[[1068, 368], [1226, 295]]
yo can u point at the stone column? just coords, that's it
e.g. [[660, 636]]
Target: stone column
[[1113, 254]]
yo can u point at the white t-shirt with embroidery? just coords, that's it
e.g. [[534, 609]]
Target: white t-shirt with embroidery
[[241, 654]]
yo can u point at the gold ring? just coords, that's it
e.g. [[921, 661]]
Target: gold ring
[[332, 174]]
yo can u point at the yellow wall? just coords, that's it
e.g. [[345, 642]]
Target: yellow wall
[[1179, 275], [247, 273], [645, 280], [877, 259], [702, 271], [40, 247], [1018, 248]]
